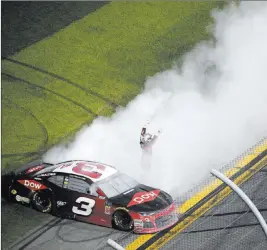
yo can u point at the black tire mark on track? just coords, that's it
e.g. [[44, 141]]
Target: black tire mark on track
[[123, 237], [53, 92], [59, 222], [24, 110], [84, 240], [43, 146], [109, 102], [219, 229], [233, 213], [50, 224]]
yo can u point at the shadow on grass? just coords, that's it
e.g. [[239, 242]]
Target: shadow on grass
[[25, 23]]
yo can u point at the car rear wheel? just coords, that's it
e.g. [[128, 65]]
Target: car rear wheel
[[122, 221], [42, 202], [6, 183]]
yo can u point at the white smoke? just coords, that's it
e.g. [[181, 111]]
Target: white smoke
[[210, 109]]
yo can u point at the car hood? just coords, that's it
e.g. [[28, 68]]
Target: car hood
[[143, 199]]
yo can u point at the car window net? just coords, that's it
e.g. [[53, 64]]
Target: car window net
[[57, 180], [118, 184], [78, 185]]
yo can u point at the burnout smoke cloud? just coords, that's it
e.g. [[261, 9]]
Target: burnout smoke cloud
[[210, 109]]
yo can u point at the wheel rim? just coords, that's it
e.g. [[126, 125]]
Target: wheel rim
[[123, 221], [42, 201]]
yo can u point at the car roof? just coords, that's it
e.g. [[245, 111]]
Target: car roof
[[94, 171]]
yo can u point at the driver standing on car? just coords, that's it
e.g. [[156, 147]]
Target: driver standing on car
[[147, 140]]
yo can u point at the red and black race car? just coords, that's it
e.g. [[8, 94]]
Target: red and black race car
[[92, 192]]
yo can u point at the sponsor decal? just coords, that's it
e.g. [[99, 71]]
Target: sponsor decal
[[108, 207], [92, 170], [34, 169], [101, 197], [47, 174], [22, 199], [78, 177], [61, 203], [13, 191], [32, 185], [66, 182], [138, 223], [143, 197]]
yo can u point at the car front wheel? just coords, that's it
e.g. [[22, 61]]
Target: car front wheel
[[122, 220], [42, 202]]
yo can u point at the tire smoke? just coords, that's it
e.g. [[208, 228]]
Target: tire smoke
[[210, 109]]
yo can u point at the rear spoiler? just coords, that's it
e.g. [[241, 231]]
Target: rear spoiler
[[31, 164], [7, 177]]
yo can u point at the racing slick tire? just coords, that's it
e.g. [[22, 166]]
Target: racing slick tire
[[42, 202], [6, 182], [122, 220]]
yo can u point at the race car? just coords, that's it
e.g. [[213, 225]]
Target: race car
[[91, 192]]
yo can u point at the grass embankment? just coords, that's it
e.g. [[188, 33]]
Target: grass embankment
[[110, 52]]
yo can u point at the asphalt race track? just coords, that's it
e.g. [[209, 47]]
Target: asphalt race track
[[243, 230], [67, 234]]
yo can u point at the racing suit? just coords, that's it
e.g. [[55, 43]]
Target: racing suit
[[147, 140]]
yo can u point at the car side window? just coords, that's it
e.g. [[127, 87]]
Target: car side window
[[57, 180], [78, 185]]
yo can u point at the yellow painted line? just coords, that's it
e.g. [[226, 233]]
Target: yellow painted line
[[200, 195], [139, 241]]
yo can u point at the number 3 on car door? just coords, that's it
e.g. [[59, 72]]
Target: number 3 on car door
[[86, 206]]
